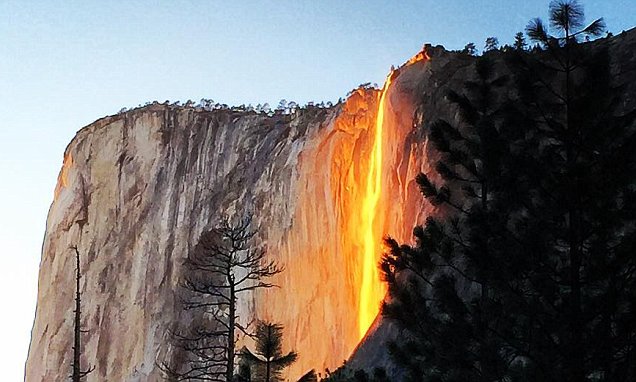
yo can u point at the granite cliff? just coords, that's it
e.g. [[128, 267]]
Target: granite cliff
[[137, 189]]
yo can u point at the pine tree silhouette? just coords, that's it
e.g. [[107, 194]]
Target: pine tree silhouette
[[268, 360]]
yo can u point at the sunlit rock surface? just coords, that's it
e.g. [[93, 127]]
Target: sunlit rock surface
[[137, 189]]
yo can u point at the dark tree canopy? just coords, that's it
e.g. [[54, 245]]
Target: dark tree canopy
[[530, 275]]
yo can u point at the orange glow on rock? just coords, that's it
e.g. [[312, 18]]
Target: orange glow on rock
[[62, 178], [319, 299], [421, 56]]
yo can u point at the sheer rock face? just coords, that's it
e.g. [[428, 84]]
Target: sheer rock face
[[134, 194], [137, 189]]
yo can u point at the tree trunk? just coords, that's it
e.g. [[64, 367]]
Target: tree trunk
[[230, 335], [77, 373]]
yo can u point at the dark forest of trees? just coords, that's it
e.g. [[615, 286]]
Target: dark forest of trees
[[530, 275]]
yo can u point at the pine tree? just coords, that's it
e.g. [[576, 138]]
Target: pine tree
[[520, 42], [492, 43], [268, 360]]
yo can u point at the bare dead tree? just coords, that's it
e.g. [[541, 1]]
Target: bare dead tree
[[78, 373], [223, 265]]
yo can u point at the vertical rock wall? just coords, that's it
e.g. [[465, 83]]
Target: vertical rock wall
[[137, 189]]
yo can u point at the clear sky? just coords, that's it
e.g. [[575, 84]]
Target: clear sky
[[64, 64]]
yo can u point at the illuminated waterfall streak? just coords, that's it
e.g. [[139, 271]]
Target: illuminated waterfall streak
[[371, 288]]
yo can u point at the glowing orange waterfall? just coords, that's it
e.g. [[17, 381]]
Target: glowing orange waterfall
[[372, 289]]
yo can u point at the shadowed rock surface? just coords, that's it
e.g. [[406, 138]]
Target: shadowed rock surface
[[450, 71]]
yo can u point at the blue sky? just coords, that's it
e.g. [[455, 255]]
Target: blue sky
[[64, 64]]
